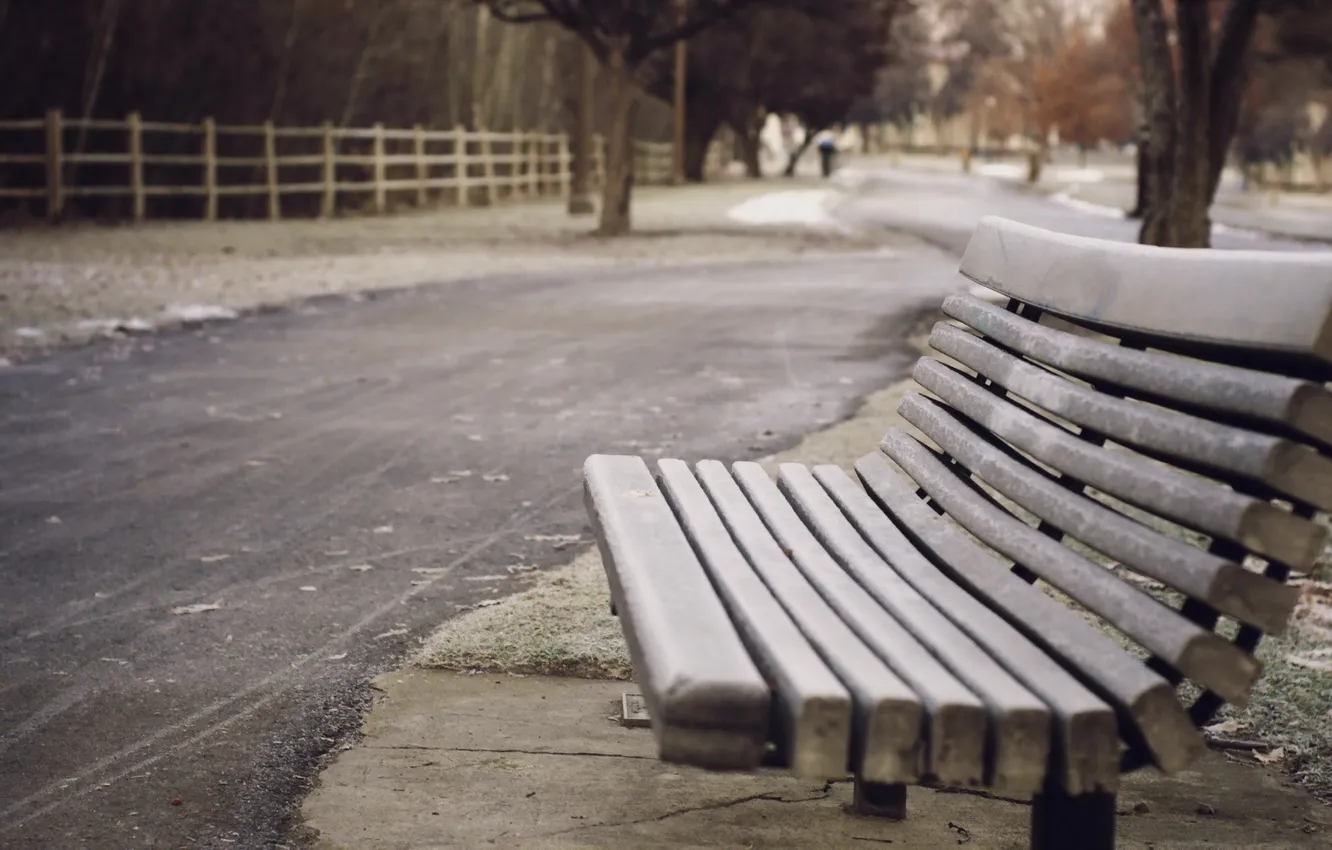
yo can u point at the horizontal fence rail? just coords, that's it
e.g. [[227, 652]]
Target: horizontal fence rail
[[259, 169]]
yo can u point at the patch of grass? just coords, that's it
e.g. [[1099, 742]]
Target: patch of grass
[[561, 626]]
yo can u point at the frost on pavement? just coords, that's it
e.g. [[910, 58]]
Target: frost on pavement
[[80, 282]]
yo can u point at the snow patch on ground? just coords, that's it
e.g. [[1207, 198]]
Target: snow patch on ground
[[808, 207], [1237, 232], [1079, 175], [1003, 170], [199, 313], [107, 326]]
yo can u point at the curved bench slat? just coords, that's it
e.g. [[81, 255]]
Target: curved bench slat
[[1194, 502], [1020, 721], [1283, 466], [1226, 586], [813, 717], [1301, 406], [709, 704], [1213, 298], [888, 742], [1198, 653], [1148, 703], [1086, 755], [957, 720]]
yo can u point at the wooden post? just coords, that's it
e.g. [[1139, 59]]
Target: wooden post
[[488, 167], [564, 173], [55, 166], [210, 169], [271, 167], [381, 192], [462, 181], [135, 124], [517, 164], [329, 207], [422, 171], [534, 164]]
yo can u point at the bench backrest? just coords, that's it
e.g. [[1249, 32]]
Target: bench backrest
[[1144, 429]]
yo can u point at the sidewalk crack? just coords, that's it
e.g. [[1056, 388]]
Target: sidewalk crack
[[770, 796], [505, 751]]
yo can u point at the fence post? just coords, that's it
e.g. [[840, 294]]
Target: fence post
[[271, 167], [135, 124], [422, 171], [55, 165], [563, 165], [462, 181], [534, 143], [329, 205], [488, 168], [381, 194], [210, 169]]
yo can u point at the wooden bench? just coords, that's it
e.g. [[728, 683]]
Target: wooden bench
[[1133, 413]]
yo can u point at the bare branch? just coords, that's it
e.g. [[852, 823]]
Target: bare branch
[[1227, 84], [517, 11], [701, 15]]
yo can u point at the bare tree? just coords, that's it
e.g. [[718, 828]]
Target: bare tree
[[622, 34], [1190, 115]]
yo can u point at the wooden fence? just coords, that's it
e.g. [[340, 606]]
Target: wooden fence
[[370, 168]]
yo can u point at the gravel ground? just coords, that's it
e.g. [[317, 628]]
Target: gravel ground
[[68, 285]]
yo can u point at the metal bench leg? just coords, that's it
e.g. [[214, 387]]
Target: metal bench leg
[[880, 800], [1060, 821]]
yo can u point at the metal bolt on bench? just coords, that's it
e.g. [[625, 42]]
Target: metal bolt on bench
[[1163, 408]]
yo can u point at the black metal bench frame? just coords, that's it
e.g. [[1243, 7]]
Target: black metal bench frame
[[1163, 408]]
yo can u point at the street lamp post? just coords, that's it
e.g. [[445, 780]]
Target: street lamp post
[[681, 70]]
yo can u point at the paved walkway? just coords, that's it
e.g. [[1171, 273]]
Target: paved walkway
[[459, 760]]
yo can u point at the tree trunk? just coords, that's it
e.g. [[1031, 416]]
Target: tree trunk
[[700, 129], [616, 194], [580, 180], [748, 138], [1140, 202], [794, 158], [1159, 107], [1227, 83], [1191, 196]]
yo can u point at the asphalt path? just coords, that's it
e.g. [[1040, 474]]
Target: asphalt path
[[261, 466], [943, 208]]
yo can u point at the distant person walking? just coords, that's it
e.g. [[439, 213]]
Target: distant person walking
[[827, 151]]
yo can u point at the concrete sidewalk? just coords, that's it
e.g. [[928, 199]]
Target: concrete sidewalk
[[492, 760]]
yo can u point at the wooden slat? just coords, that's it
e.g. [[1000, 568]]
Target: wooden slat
[[956, 719], [1252, 299], [1200, 654], [888, 746], [1020, 723], [1284, 466], [1303, 406], [690, 663], [1229, 588], [813, 717], [1143, 697], [1188, 500], [1086, 752]]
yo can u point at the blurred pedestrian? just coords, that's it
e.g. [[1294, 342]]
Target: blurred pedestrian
[[827, 143]]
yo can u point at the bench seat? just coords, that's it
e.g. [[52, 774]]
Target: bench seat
[[969, 606]]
